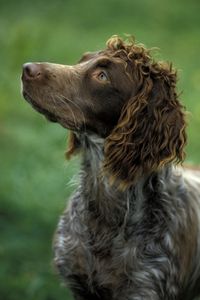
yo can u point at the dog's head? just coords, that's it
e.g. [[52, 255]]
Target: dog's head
[[88, 96], [120, 94]]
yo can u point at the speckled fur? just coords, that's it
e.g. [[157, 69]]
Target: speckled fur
[[139, 244]]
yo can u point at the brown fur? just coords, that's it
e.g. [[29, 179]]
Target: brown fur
[[151, 129]]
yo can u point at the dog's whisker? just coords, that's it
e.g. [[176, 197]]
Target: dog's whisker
[[76, 105]]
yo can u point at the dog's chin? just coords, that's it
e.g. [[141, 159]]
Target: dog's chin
[[49, 115], [52, 117]]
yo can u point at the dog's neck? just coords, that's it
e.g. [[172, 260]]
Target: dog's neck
[[103, 198]]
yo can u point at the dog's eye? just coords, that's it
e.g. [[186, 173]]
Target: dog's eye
[[102, 76]]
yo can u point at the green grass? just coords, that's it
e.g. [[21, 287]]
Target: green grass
[[34, 176]]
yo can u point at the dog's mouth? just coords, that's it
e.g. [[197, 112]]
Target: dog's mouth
[[49, 115]]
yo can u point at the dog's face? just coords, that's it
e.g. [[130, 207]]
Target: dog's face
[[88, 96], [121, 94]]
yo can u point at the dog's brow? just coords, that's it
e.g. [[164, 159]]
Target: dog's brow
[[87, 56]]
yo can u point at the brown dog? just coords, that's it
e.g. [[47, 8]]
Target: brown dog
[[132, 229]]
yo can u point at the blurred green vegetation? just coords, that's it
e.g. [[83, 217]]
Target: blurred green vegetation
[[33, 178]]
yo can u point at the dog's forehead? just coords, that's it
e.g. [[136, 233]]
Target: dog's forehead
[[88, 56], [96, 54], [103, 57]]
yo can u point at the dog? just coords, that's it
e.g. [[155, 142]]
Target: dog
[[131, 230]]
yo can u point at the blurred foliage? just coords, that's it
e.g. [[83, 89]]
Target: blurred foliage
[[33, 178]]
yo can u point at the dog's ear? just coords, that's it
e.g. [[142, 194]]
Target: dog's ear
[[150, 132], [73, 145]]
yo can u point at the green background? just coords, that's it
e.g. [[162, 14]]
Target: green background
[[34, 177]]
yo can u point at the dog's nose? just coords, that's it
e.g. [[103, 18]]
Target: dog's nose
[[31, 71]]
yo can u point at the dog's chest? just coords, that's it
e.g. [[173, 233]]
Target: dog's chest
[[95, 253]]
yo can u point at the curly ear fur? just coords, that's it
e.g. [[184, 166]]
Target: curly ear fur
[[151, 130], [73, 145]]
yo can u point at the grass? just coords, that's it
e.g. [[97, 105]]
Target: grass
[[33, 178]]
